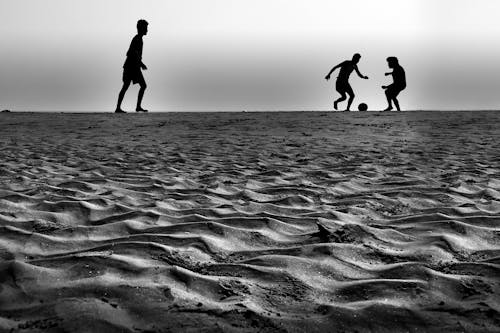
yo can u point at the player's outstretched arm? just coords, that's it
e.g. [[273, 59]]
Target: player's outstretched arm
[[359, 74], [327, 77]]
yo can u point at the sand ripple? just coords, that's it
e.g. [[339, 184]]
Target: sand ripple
[[250, 222]]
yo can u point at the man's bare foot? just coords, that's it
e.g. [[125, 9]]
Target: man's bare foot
[[389, 108], [118, 110], [140, 109]]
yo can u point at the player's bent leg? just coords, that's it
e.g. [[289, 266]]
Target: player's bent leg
[[389, 97], [342, 88], [351, 94], [126, 84], [396, 103], [351, 99], [140, 96], [394, 95], [340, 99], [349, 102]]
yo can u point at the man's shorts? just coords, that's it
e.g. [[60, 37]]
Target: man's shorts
[[393, 90], [134, 75], [343, 87]]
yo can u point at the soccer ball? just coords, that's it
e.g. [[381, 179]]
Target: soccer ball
[[362, 107]]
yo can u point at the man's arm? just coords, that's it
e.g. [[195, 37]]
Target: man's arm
[[134, 53], [139, 60], [327, 77], [359, 74]]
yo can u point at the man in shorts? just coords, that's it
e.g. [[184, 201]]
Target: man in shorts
[[399, 83], [342, 85], [132, 69]]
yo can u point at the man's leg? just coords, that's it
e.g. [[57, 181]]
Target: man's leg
[[126, 84], [351, 97], [395, 94], [340, 86], [389, 99], [342, 98], [396, 103], [140, 96]]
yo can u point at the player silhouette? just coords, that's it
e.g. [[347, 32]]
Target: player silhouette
[[399, 83], [342, 85], [132, 68]]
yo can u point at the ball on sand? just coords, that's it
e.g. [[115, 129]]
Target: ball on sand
[[362, 107]]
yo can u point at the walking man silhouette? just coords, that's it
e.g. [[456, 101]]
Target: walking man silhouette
[[342, 85], [132, 68], [399, 83]]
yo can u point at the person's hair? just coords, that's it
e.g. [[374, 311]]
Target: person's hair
[[392, 60], [356, 56], [142, 23]]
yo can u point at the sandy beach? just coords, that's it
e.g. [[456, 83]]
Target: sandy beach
[[250, 222]]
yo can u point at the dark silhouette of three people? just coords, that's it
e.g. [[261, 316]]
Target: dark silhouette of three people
[[344, 88], [132, 69], [133, 66]]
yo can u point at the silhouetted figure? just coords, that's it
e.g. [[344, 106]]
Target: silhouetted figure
[[399, 83], [342, 85], [132, 68]]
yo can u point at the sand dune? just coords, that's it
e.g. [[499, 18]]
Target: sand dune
[[243, 222]]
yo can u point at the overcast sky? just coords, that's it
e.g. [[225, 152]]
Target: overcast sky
[[247, 54]]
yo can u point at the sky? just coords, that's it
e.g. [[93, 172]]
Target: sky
[[206, 55]]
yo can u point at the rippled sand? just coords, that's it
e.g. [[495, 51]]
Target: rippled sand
[[243, 222]]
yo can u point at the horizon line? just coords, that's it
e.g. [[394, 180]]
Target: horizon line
[[244, 111]]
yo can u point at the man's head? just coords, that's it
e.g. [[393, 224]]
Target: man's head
[[142, 27], [392, 62], [356, 57]]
